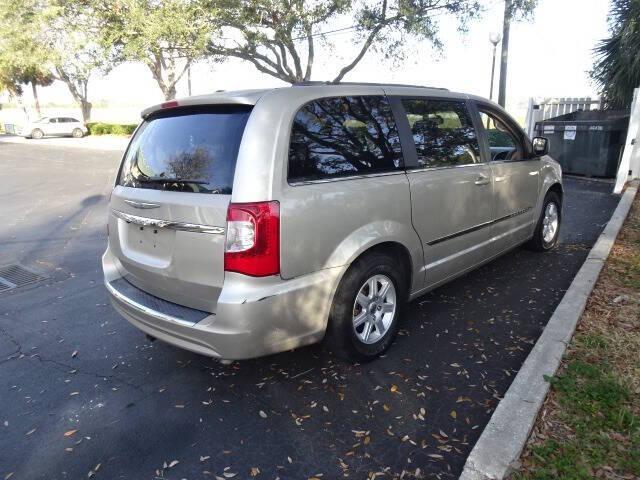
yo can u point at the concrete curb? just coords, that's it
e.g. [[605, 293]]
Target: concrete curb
[[504, 437]]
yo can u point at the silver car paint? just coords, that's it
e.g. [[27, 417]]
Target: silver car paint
[[325, 226]]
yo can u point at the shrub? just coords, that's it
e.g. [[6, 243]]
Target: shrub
[[99, 128]]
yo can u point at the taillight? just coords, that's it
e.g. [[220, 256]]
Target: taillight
[[253, 239]]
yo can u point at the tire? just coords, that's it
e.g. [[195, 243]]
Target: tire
[[37, 134], [353, 342], [541, 242], [77, 133]]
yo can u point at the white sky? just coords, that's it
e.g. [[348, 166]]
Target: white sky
[[549, 56]]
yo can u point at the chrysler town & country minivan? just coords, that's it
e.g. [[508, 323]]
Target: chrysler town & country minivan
[[252, 222]]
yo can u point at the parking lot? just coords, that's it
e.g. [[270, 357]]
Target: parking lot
[[83, 393]]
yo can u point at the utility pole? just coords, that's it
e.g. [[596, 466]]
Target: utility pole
[[502, 87]]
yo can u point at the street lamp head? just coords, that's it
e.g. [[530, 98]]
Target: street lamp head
[[495, 37]]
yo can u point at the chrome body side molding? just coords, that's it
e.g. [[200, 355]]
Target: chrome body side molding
[[153, 222]]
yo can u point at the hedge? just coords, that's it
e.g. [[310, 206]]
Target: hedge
[[98, 128]]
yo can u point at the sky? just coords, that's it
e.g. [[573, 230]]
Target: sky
[[549, 56]]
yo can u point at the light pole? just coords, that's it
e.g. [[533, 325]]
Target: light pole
[[494, 38]]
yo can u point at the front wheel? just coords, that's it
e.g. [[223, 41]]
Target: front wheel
[[366, 308], [547, 230], [77, 133], [37, 134]]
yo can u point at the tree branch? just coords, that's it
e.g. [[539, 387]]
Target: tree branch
[[368, 42], [310, 53]]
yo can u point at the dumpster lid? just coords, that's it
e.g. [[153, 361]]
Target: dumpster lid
[[595, 116]]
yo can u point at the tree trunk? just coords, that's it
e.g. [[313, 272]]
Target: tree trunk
[[169, 91], [502, 88], [34, 88], [85, 107]]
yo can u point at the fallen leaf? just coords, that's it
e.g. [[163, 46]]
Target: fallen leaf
[[394, 388], [453, 414], [69, 433], [74, 354], [262, 414], [30, 431], [173, 464]]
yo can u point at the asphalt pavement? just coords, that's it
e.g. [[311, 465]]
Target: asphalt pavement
[[85, 395]]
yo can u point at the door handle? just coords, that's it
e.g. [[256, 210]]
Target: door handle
[[482, 180]]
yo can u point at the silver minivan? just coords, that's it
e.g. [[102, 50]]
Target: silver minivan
[[252, 222]]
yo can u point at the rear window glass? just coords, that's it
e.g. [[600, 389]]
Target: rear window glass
[[186, 150]]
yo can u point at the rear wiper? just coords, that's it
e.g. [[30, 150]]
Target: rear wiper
[[172, 180]]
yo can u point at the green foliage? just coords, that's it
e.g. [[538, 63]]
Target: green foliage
[[617, 67], [279, 37], [166, 36], [522, 9], [98, 128], [24, 55], [499, 138]]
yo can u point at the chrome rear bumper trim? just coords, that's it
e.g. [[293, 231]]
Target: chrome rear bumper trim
[[154, 222]]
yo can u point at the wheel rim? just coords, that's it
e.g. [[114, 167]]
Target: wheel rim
[[550, 222], [374, 309], [37, 134], [77, 133]]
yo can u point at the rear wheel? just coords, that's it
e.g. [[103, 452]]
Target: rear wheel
[[37, 134], [77, 133], [366, 308], [547, 230]]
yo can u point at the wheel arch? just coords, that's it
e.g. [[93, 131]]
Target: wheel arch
[[556, 188], [395, 250]]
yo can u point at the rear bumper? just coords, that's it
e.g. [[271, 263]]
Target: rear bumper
[[254, 316]]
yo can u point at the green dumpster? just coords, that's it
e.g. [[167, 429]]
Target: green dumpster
[[587, 143]]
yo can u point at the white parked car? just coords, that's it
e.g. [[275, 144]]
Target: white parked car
[[55, 126]]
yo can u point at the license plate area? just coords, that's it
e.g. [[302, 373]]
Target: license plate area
[[151, 241]]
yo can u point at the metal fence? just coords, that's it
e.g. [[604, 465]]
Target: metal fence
[[543, 109]]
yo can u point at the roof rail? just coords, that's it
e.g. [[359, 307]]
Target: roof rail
[[370, 84]]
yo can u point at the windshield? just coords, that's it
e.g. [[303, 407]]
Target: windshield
[[189, 149]]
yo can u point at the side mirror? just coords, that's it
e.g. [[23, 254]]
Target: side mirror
[[540, 146]]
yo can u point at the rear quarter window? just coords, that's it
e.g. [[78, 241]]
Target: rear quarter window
[[187, 149]]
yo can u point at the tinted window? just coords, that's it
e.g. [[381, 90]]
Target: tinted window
[[503, 143], [443, 132], [343, 136], [190, 150]]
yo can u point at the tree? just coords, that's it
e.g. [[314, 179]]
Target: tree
[[37, 76], [75, 55], [617, 67], [513, 10], [166, 36], [24, 56], [47, 40], [279, 37]]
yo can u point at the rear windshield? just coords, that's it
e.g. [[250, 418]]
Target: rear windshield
[[186, 150]]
